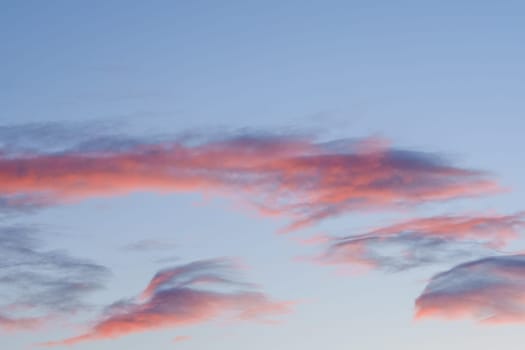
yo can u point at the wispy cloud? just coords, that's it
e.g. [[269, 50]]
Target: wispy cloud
[[423, 241], [492, 229], [184, 295], [181, 338], [36, 283], [8, 323], [55, 137], [147, 245], [489, 290], [15, 204], [294, 176]]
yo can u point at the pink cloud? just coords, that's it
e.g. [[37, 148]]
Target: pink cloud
[[424, 240], [20, 323], [299, 178], [181, 338], [177, 297], [495, 230], [489, 290]]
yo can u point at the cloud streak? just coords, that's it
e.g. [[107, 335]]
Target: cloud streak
[[20, 323], [423, 241], [36, 283], [148, 245], [296, 177], [489, 290], [183, 295]]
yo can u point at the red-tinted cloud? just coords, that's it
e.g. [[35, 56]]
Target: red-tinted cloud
[[425, 240], [184, 295], [490, 290], [300, 178]]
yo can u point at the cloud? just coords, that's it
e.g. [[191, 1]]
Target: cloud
[[493, 230], [489, 290], [287, 175], [21, 323], [36, 283], [424, 241], [181, 338], [149, 245], [52, 137], [183, 295], [12, 205]]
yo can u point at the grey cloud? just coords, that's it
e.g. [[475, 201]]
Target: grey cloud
[[43, 281]]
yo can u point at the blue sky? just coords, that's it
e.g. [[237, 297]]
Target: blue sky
[[175, 93]]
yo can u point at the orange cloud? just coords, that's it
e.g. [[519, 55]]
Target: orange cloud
[[176, 297], [299, 178]]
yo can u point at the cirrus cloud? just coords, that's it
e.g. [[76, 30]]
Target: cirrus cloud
[[38, 284], [184, 295], [297, 177], [422, 241]]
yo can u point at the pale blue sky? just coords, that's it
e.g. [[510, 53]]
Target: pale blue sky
[[441, 76]]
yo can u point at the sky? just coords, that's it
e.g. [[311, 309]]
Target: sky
[[262, 174]]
